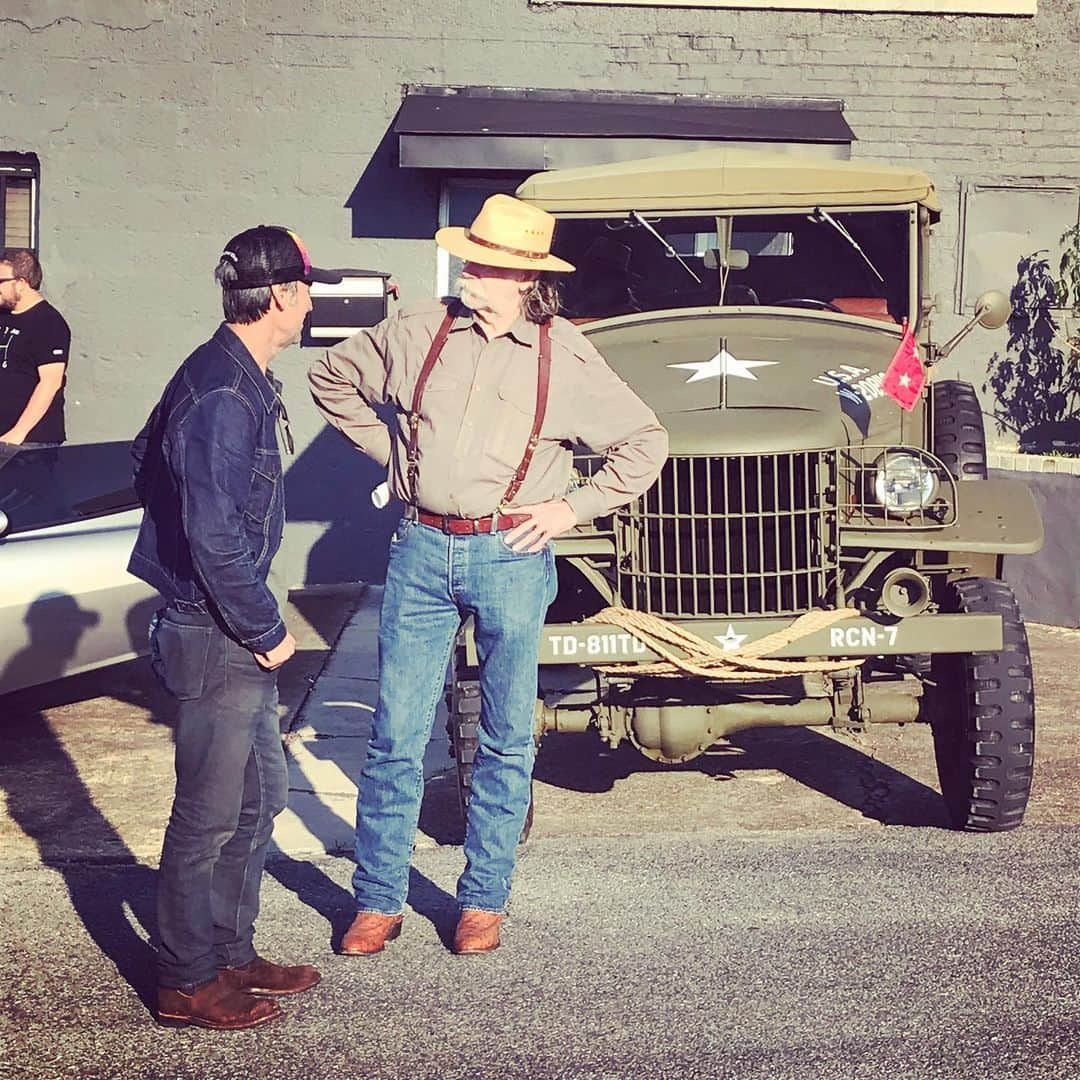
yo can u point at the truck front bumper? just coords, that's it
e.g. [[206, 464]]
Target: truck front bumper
[[596, 643]]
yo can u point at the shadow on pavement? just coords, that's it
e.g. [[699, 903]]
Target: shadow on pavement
[[434, 904], [49, 801], [440, 815], [324, 611], [837, 770], [316, 890], [336, 905]]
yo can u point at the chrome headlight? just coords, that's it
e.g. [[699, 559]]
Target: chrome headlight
[[904, 482]]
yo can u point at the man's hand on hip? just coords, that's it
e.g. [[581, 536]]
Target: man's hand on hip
[[277, 656], [546, 520]]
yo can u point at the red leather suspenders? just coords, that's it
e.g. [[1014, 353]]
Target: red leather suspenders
[[543, 384], [418, 395]]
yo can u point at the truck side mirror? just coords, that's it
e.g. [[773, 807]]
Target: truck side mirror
[[993, 309]]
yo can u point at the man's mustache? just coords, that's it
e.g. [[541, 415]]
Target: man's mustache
[[472, 296]]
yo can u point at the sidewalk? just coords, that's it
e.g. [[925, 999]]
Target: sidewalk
[[327, 741], [86, 765], [86, 770]]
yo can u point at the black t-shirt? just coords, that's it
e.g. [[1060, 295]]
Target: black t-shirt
[[27, 341]]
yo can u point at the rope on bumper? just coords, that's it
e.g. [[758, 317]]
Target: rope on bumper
[[685, 653]]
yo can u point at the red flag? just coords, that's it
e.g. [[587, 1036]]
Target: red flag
[[904, 377]]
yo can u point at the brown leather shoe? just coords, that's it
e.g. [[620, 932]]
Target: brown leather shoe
[[276, 980], [214, 1005], [369, 933], [477, 932]]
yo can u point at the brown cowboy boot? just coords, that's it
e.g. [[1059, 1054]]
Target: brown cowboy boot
[[214, 1005], [276, 980], [477, 932], [369, 933]]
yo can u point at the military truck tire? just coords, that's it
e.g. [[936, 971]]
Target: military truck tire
[[982, 711], [463, 709], [463, 718], [960, 443], [959, 436]]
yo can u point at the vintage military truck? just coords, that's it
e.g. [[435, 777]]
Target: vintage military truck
[[755, 301]]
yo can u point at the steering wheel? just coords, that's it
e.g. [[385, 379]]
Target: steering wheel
[[741, 294], [807, 302]]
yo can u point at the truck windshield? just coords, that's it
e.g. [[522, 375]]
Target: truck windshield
[[851, 262]]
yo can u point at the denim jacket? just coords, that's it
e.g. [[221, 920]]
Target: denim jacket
[[208, 474]]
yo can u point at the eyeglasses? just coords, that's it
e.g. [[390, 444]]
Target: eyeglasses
[[3, 279]]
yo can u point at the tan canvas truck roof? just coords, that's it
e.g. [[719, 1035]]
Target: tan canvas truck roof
[[727, 179]]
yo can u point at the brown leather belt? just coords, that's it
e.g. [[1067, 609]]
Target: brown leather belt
[[457, 526]]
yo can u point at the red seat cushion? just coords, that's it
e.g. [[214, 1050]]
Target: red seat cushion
[[869, 307]]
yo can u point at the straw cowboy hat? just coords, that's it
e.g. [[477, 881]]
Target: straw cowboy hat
[[506, 233]]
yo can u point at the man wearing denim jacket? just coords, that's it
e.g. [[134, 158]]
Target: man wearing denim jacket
[[208, 473]]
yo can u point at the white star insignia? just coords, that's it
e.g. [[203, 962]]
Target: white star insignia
[[723, 363], [905, 381], [729, 641]]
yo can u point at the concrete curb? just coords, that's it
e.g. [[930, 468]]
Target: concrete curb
[[327, 742]]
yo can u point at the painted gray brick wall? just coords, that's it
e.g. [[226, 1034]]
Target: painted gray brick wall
[[163, 126], [1047, 585]]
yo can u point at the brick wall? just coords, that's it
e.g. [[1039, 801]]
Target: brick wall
[[164, 126]]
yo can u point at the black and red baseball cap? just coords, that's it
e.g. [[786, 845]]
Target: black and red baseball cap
[[272, 255]]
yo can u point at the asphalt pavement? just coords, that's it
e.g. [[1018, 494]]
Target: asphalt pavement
[[792, 905]]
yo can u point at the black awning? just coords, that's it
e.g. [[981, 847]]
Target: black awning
[[442, 127]]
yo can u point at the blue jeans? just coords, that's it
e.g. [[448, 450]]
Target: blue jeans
[[231, 782], [433, 582]]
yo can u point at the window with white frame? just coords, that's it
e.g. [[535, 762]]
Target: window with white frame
[[19, 176], [1006, 220], [459, 202]]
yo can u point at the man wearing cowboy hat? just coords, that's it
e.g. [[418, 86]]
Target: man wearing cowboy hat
[[491, 391]]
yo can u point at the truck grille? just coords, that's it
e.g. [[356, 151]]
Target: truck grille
[[749, 535]]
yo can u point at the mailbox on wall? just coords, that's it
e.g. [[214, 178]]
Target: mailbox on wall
[[338, 311]]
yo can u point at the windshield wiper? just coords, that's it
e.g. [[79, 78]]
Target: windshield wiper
[[820, 215], [639, 220]]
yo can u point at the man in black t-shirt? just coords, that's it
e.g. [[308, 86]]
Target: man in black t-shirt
[[34, 345]]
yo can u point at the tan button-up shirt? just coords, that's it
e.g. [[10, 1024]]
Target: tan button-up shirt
[[478, 409]]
